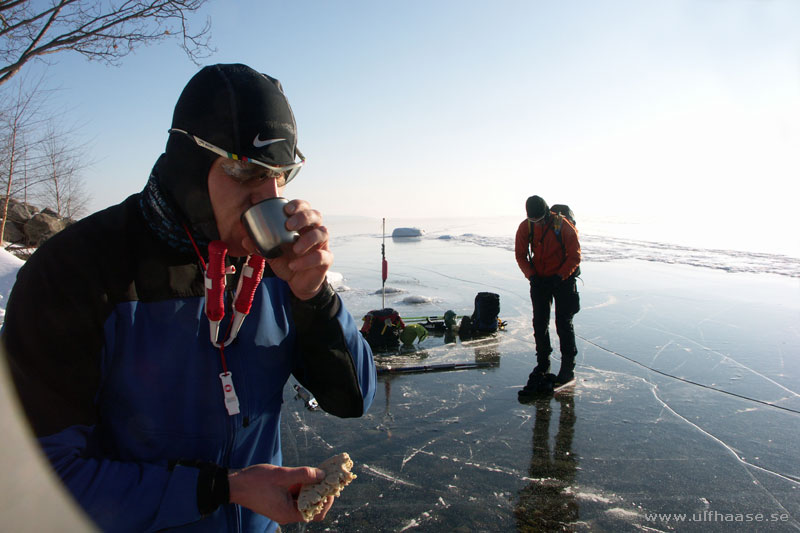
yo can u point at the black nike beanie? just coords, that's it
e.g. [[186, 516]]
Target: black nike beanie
[[536, 207], [235, 108]]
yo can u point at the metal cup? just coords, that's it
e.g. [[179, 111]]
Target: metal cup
[[266, 224]]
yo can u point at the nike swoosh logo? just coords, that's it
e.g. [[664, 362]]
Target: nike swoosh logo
[[258, 143]]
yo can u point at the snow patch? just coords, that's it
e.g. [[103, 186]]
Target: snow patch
[[414, 300], [389, 290], [336, 281], [9, 265]]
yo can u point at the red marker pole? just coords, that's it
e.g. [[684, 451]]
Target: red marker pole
[[384, 265]]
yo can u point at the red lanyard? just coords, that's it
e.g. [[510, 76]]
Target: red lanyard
[[215, 272]]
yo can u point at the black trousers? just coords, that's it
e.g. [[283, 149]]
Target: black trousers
[[545, 290]]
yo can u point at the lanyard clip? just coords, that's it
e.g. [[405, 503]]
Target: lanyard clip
[[215, 286], [245, 292]]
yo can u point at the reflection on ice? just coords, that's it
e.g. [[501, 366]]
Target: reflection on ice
[[546, 503]]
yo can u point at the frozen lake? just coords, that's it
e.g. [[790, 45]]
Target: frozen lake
[[685, 415]]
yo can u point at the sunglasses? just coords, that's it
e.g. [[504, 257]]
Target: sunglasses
[[289, 171]]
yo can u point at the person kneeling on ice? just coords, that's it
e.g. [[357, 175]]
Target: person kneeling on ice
[[548, 254], [115, 328]]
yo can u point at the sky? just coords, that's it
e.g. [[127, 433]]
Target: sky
[[685, 112]]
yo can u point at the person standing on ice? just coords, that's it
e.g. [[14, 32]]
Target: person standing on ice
[[151, 419], [548, 254]]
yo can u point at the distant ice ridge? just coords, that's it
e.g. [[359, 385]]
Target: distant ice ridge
[[603, 249], [408, 232]]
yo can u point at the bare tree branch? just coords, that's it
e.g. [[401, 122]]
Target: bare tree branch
[[35, 41], [17, 122], [102, 30], [63, 187]]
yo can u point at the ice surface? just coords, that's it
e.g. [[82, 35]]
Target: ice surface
[[628, 449]]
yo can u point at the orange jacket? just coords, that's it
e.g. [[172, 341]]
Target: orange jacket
[[548, 255]]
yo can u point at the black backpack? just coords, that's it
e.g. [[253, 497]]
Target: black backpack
[[382, 328], [487, 309], [562, 210], [565, 211]]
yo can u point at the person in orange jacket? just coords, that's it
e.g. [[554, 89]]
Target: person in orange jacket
[[548, 254]]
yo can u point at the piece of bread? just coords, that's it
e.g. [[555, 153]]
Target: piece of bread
[[312, 498]]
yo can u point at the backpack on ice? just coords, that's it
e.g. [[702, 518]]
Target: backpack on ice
[[382, 328], [487, 309]]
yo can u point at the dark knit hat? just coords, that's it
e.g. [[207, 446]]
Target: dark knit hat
[[536, 207], [236, 108]]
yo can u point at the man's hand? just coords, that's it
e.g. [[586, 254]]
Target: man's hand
[[304, 268], [272, 490]]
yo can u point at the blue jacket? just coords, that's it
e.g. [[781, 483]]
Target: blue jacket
[[109, 348]]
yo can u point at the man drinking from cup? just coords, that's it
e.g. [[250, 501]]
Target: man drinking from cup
[[150, 344]]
